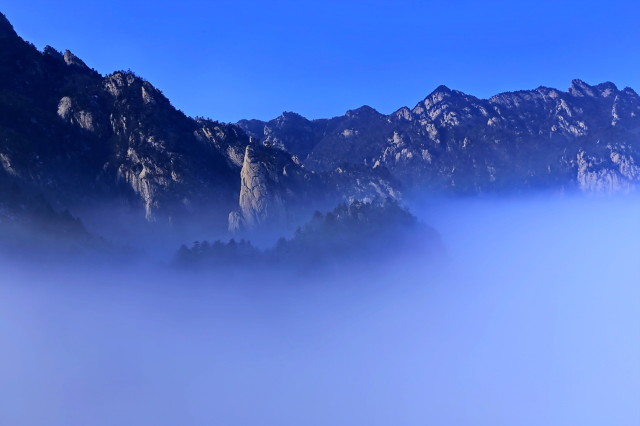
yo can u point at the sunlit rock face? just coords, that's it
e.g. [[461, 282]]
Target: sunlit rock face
[[260, 190], [276, 190], [159, 155], [71, 59], [616, 173], [452, 142], [228, 139]]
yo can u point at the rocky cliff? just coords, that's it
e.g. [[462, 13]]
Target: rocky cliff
[[276, 190], [84, 138]]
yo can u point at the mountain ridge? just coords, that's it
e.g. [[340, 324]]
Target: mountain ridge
[[85, 140], [449, 127]]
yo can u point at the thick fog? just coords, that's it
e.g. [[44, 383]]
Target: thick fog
[[532, 317]]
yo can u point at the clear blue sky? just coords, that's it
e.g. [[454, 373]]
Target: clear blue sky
[[254, 59]]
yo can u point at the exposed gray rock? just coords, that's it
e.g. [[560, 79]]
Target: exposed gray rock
[[82, 118], [71, 59], [615, 174], [65, 108], [225, 138], [277, 191], [261, 201]]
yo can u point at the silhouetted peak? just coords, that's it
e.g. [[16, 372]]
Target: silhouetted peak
[[50, 51], [119, 82], [403, 113], [580, 88], [289, 115], [363, 111], [71, 59], [438, 95], [607, 89], [441, 89], [577, 83], [6, 29], [546, 90], [607, 85]]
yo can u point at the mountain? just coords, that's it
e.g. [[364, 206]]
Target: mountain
[[88, 142], [82, 138], [586, 138]]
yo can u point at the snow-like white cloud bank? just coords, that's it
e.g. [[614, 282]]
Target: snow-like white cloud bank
[[532, 319]]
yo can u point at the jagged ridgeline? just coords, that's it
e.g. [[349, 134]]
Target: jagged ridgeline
[[87, 142], [453, 143], [358, 230]]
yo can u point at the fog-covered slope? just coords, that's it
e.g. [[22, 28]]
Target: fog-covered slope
[[379, 231]]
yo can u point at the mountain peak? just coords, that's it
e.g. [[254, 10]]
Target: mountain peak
[[581, 89], [438, 95], [6, 29], [403, 113], [607, 89], [364, 110], [607, 85], [441, 89], [50, 51], [71, 59], [577, 83], [290, 115]]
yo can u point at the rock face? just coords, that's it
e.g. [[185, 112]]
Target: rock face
[[159, 152], [450, 142], [276, 190], [261, 198], [617, 173], [82, 138]]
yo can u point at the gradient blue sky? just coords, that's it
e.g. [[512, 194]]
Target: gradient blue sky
[[250, 59]]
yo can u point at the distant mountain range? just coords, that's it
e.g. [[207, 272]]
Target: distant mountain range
[[451, 142], [85, 141]]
